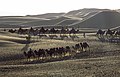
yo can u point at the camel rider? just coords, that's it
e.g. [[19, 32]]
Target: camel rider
[[84, 34], [30, 52], [28, 38]]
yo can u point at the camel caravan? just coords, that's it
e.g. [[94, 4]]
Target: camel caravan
[[52, 33], [109, 35], [58, 52]]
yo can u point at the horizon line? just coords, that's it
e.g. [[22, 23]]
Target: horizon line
[[52, 12]]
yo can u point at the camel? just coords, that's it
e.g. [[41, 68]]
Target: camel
[[84, 46], [117, 33], [110, 32], [29, 54], [100, 32]]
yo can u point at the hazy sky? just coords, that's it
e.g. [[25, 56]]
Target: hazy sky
[[33, 7]]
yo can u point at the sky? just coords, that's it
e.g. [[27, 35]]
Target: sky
[[34, 7]]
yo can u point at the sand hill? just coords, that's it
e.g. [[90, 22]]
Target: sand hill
[[83, 18], [105, 19]]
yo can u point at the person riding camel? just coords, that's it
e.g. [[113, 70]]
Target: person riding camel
[[28, 38]]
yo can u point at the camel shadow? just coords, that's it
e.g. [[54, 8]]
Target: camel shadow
[[17, 56]]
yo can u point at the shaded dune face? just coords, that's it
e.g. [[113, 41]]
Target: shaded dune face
[[102, 20]]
